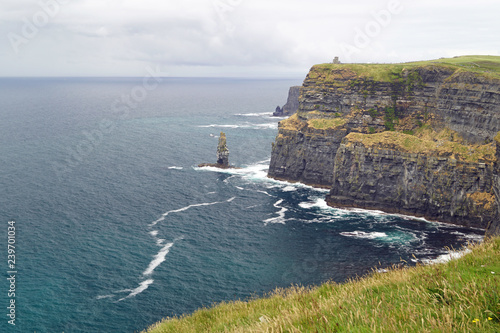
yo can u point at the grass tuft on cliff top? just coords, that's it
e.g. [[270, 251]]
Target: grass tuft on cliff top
[[415, 145], [329, 123], [462, 295], [488, 66]]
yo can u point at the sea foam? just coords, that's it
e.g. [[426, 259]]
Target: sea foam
[[281, 214], [262, 114], [366, 235], [446, 257], [158, 259], [134, 292], [164, 215]]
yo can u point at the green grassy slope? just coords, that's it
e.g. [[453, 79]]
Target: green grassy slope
[[488, 66], [462, 295]]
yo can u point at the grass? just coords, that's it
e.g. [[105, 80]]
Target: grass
[[314, 119], [488, 66], [330, 123], [415, 145], [292, 123], [462, 295]]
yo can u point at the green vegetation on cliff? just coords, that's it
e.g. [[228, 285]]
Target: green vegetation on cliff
[[488, 66], [415, 145], [462, 295]]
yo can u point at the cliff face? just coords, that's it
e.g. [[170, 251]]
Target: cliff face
[[339, 138], [421, 184], [494, 227], [292, 103], [464, 102]]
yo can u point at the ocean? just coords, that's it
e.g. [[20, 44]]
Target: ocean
[[116, 227]]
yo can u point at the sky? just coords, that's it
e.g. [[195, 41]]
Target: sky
[[234, 38]]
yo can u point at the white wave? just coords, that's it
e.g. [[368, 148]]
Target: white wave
[[158, 259], [162, 218], [472, 237], [175, 168], [367, 211], [446, 257], [251, 172], [278, 203], [258, 173], [273, 125], [379, 213], [281, 214], [289, 188], [318, 203], [159, 242], [285, 184], [134, 292], [254, 114], [105, 296], [267, 126], [365, 235], [227, 179], [154, 233], [222, 126]]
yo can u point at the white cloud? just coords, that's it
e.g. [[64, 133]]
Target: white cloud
[[236, 37]]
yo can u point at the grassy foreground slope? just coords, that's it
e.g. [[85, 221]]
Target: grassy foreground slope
[[462, 295]]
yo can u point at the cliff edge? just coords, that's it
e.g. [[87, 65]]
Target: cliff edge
[[413, 138]]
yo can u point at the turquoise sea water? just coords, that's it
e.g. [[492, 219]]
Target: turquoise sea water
[[116, 227]]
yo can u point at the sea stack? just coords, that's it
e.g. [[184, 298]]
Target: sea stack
[[222, 151], [222, 155]]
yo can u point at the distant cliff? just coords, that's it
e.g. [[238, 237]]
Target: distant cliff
[[494, 227], [292, 103], [414, 138]]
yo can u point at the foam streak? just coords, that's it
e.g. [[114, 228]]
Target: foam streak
[[142, 286], [158, 259], [162, 218], [281, 214]]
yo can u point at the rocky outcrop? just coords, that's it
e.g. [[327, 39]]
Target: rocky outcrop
[[222, 155], [454, 111], [222, 151], [303, 156], [292, 103]]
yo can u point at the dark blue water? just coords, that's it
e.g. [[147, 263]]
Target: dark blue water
[[116, 227]]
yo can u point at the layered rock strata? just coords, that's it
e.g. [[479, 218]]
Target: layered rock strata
[[292, 103], [494, 226], [428, 184], [339, 139]]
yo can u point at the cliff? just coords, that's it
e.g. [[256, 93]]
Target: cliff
[[413, 138], [494, 227], [416, 178], [292, 103]]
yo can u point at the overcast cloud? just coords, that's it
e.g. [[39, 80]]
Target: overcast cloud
[[265, 38]]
